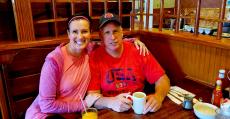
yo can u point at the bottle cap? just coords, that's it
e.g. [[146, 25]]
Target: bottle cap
[[222, 71], [218, 82]]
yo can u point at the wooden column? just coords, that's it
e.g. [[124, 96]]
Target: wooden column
[[55, 17], [105, 6], [23, 20], [90, 7], [178, 16], [161, 15], [72, 7], [221, 17], [196, 26], [133, 15], [175, 8], [147, 14], [141, 14], [153, 17], [120, 9]]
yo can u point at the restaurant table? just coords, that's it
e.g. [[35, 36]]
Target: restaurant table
[[169, 109]]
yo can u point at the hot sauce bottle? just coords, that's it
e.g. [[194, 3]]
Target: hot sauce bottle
[[217, 94]]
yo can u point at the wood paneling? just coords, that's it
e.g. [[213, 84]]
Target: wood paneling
[[24, 21], [20, 77], [204, 3], [179, 58]]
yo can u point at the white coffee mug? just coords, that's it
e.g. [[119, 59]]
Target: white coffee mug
[[139, 100]]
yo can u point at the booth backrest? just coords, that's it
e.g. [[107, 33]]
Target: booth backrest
[[20, 78]]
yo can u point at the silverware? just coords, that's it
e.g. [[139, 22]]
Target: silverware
[[175, 96], [178, 93]]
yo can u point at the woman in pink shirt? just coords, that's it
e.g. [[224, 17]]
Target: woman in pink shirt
[[65, 75]]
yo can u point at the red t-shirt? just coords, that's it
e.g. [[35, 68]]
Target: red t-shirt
[[125, 74]]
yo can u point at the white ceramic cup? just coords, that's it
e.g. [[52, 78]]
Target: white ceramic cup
[[139, 100]]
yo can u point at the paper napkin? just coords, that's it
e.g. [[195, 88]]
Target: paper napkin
[[176, 94]]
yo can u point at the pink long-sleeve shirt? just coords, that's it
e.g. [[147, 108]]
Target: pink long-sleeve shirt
[[63, 79]]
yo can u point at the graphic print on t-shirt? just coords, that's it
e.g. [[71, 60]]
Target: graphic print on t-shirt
[[120, 77]]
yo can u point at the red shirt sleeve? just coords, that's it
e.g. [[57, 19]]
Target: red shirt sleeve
[[153, 70]]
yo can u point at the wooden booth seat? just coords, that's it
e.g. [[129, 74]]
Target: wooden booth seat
[[20, 76]]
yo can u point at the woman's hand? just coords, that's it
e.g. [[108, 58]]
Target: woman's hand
[[120, 103], [91, 98], [141, 46]]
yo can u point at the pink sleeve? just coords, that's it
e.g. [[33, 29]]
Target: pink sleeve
[[153, 70], [48, 88]]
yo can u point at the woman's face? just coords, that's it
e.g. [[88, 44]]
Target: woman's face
[[79, 34]]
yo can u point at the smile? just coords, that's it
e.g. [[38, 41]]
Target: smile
[[79, 42], [114, 43]]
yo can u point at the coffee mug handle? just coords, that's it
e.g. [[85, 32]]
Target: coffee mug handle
[[129, 96]]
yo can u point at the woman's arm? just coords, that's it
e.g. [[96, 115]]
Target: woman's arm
[[48, 92], [139, 45], [48, 89], [118, 103]]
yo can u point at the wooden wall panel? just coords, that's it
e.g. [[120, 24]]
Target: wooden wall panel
[[204, 3], [199, 62], [201, 65], [211, 64], [23, 19], [207, 64]]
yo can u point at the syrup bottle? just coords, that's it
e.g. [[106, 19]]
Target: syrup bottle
[[217, 94]]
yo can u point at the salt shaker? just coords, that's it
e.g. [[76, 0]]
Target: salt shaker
[[188, 102]]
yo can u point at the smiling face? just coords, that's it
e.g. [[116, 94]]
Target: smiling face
[[79, 35], [112, 36]]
